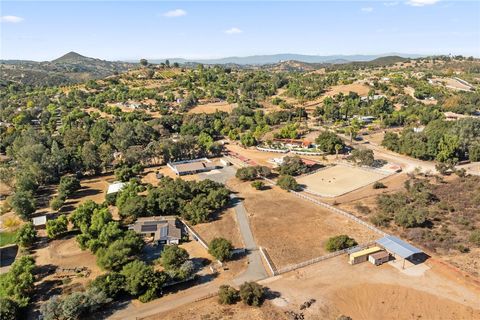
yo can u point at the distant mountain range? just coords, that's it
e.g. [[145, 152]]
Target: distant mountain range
[[69, 68], [73, 67], [276, 58]]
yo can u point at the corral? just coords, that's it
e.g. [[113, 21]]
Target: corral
[[337, 180], [284, 224]]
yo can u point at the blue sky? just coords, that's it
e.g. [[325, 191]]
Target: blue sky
[[157, 29]]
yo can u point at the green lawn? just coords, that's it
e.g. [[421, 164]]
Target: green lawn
[[7, 238]]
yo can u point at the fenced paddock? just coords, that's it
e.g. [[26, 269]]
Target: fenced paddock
[[340, 179]]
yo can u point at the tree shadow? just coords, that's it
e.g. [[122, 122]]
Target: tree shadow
[[8, 255], [85, 192]]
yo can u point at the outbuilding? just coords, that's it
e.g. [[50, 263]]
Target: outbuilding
[[115, 187], [379, 258], [400, 248], [362, 255], [39, 222]]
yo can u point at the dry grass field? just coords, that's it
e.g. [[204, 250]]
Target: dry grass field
[[213, 107], [291, 229], [225, 226], [337, 180], [359, 87]]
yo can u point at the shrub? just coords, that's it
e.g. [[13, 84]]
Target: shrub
[[380, 220], [68, 185], [56, 203], [339, 243], [246, 174], [23, 203], [173, 257], [379, 185], [287, 183], [258, 185], [252, 293], [111, 283], [125, 173], [57, 226], [292, 166], [26, 235], [220, 248], [475, 237], [227, 295], [8, 309], [252, 173]]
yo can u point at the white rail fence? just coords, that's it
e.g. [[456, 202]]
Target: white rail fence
[[195, 235], [322, 258], [271, 266]]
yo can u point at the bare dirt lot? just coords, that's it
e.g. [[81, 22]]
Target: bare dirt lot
[[213, 107], [337, 180], [291, 229], [360, 88], [65, 253], [365, 291], [211, 309]]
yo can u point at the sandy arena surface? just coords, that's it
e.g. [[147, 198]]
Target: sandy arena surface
[[291, 229], [338, 180]]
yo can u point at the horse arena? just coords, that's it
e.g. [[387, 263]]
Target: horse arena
[[340, 179]]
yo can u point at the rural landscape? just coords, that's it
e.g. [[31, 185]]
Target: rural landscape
[[257, 187]]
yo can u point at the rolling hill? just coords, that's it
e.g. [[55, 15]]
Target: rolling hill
[[69, 68]]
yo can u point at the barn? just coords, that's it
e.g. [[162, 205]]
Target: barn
[[399, 248]]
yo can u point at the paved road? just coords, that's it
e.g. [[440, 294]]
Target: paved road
[[255, 270]]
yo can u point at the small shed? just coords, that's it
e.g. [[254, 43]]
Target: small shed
[[362, 255], [115, 187], [39, 222], [379, 258]]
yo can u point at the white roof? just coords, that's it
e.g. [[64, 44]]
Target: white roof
[[39, 221], [398, 246], [115, 187]]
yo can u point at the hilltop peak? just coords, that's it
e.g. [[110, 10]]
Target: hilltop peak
[[71, 57]]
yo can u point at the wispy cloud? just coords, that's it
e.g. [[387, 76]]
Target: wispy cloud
[[233, 30], [175, 13], [421, 3], [11, 19], [367, 9], [390, 4]]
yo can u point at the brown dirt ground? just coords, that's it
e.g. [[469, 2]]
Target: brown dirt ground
[[364, 291], [283, 224], [211, 309], [213, 107], [66, 253], [224, 226]]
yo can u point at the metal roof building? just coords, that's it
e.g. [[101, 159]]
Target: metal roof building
[[115, 187], [398, 247]]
